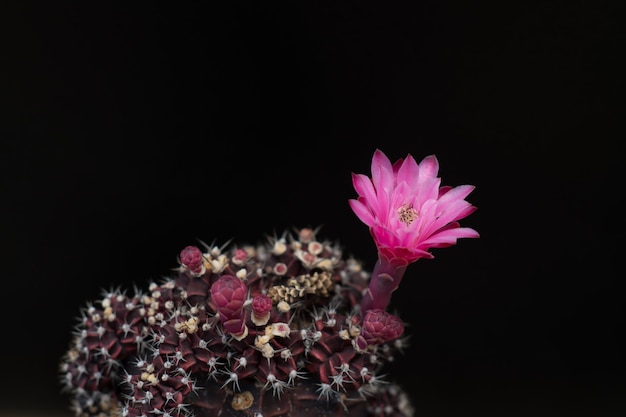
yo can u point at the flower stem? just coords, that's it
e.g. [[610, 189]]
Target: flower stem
[[385, 280]]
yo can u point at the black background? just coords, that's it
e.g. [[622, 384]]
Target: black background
[[130, 131]]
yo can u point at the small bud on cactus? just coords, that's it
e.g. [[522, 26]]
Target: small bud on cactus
[[229, 294], [191, 258], [240, 256], [379, 327], [261, 306]]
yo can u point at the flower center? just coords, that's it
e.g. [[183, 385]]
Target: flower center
[[406, 213]]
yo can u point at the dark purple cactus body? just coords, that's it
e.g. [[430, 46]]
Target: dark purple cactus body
[[269, 331]]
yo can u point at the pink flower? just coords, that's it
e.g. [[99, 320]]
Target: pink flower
[[408, 213], [406, 209]]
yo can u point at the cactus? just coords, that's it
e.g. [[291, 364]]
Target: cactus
[[285, 328]]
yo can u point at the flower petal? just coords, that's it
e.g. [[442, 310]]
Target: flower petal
[[408, 171], [382, 172], [364, 187], [429, 167], [449, 237], [363, 212], [451, 212], [456, 193], [383, 179]]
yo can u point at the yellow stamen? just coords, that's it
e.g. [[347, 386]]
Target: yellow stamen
[[407, 214]]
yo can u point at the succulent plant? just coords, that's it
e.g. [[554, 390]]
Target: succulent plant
[[288, 327]]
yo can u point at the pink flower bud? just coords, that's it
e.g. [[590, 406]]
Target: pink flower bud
[[380, 327], [229, 293], [360, 343], [240, 256], [191, 257], [261, 306], [236, 327]]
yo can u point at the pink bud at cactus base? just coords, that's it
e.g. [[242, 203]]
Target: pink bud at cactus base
[[379, 327]]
